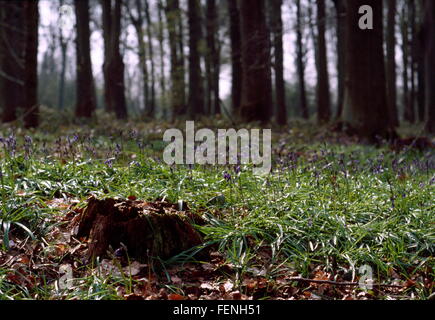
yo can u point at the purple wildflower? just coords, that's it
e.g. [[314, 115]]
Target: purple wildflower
[[109, 162], [227, 176]]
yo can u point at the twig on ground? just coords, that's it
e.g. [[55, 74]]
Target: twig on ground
[[336, 283]]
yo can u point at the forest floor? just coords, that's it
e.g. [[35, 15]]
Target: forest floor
[[332, 213]]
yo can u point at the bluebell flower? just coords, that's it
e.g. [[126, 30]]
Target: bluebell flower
[[237, 169], [227, 176], [109, 162]]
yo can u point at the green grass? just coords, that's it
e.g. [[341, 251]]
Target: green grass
[[336, 206]]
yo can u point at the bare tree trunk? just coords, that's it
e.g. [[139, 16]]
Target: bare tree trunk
[[209, 36], [411, 19], [256, 84], [212, 58], [31, 107], [405, 61], [323, 94], [113, 64], [107, 26], [340, 9], [277, 31], [196, 90], [430, 64], [300, 62], [63, 43], [236, 54], [86, 98], [391, 63], [365, 108], [163, 104], [63, 50], [138, 24], [421, 88], [12, 62], [152, 101], [177, 62]]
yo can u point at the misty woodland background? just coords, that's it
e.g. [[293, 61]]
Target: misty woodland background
[[260, 60]]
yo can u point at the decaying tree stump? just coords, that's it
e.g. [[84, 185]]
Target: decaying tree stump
[[147, 229]]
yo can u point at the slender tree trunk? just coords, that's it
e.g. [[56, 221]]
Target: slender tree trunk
[[196, 90], [412, 62], [236, 54], [86, 98], [430, 64], [340, 9], [300, 62], [107, 26], [63, 43], [421, 88], [12, 62], [365, 108], [31, 107], [391, 63], [323, 94], [212, 58], [163, 104], [138, 24], [63, 50], [113, 64], [181, 54], [405, 60], [277, 31], [177, 62], [209, 26], [152, 101], [256, 104]]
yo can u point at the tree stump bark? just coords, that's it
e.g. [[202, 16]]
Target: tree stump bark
[[147, 229]]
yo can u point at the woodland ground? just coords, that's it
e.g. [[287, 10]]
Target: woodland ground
[[329, 207]]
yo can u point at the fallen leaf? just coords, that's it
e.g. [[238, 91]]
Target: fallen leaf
[[174, 296]]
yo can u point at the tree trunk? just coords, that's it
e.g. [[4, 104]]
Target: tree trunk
[[85, 88], [113, 64], [63, 43], [63, 51], [256, 84], [236, 54], [323, 94], [152, 100], [212, 58], [391, 63], [138, 24], [163, 104], [177, 62], [365, 108], [300, 62], [430, 64], [340, 9], [420, 64], [106, 17], [31, 107], [196, 90], [412, 61], [277, 31], [405, 61], [12, 62]]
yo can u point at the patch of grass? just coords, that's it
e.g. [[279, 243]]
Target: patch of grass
[[324, 204]]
